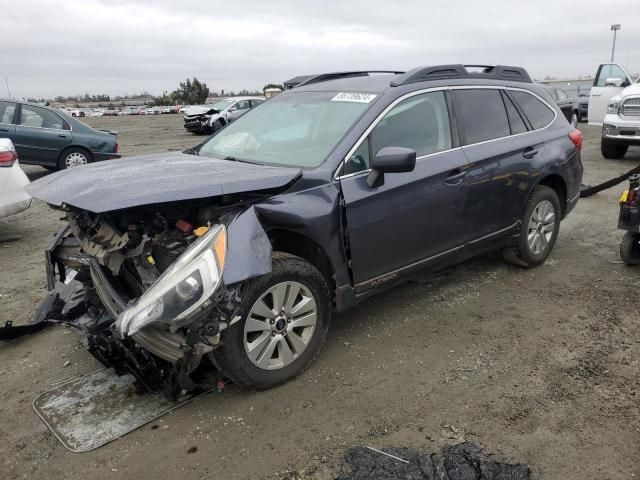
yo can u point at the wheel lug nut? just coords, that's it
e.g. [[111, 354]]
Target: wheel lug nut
[[272, 321], [273, 334]]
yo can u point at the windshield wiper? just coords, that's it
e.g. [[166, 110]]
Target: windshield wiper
[[243, 160]]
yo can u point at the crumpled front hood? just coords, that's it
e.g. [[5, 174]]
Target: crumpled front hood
[[148, 179]]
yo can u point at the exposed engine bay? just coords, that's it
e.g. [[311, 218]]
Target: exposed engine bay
[[150, 286]]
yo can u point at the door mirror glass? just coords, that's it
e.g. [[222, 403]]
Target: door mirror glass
[[233, 109], [390, 160]]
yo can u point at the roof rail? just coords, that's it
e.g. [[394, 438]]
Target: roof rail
[[325, 77], [440, 72]]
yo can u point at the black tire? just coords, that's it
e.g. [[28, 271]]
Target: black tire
[[611, 150], [231, 356], [62, 161], [575, 119], [522, 254], [630, 248], [217, 125]]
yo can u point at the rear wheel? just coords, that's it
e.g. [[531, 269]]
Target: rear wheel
[[539, 229], [284, 318], [611, 150], [630, 248], [74, 157]]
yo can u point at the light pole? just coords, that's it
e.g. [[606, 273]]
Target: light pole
[[615, 27], [6, 82]]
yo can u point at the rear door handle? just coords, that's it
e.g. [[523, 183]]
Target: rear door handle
[[455, 177], [4, 129], [530, 152], [62, 135]]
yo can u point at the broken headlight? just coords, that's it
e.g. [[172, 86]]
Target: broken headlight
[[183, 287]]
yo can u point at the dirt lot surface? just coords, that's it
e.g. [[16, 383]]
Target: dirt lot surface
[[540, 365]]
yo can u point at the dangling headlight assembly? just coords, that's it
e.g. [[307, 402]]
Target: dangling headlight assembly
[[183, 287]]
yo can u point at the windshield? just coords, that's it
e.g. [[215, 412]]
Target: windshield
[[298, 129], [221, 105]]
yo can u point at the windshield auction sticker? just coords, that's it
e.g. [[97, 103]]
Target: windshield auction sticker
[[353, 97]]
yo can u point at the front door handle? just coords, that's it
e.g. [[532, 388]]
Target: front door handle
[[4, 129], [62, 135], [455, 177], [530, 152]]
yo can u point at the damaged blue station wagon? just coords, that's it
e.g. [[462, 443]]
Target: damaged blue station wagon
[[231, 257]]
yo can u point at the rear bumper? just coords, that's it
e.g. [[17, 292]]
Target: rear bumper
[[100, 156], [15, 207], [13, 197]]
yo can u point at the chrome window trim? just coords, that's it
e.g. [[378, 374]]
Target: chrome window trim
[[437, 89]]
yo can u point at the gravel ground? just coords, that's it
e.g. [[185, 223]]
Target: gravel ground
[[538, 365]]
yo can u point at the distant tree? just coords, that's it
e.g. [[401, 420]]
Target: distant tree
[[162, 101], [273, 85], [191, 92]]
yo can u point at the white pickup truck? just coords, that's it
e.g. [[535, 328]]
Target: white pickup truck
[[614, 103]]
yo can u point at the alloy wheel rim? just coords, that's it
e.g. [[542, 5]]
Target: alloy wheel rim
[[280, 325], [542, 224], [75, 159]]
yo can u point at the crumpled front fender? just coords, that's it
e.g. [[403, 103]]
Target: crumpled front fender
[[248, 248]]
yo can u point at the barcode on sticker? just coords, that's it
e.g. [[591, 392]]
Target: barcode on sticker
[[353, 97]]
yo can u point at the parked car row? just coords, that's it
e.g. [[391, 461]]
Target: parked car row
[[132, 110]]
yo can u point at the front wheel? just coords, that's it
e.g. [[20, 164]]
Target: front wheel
[[284, 318], [539, 229], [611, 150]]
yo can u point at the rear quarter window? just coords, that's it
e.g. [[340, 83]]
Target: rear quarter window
[[538, 114]]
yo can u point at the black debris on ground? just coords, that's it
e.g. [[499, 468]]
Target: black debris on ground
[[464, 461]]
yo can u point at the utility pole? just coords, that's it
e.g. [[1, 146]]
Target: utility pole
[[6, 82], [615, 27]]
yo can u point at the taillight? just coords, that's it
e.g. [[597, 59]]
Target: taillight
[[576, 137], [7, 157], [116, 149]]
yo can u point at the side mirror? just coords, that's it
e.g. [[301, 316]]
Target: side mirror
[[613, 82], [233, 109], [390, 160]]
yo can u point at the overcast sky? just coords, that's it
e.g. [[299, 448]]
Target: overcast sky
[[69, 47]]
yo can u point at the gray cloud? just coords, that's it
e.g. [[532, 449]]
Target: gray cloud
[[116, 46]]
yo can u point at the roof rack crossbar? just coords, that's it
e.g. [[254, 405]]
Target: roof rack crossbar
[[493, 72], [325, 77]]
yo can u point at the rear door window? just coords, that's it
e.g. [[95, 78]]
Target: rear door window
[[31, 116], [7, 110], [538, 114], [420, 123], [482, 115]]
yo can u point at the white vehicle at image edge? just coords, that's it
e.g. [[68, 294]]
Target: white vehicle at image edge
[[13, 197], [614, 103]]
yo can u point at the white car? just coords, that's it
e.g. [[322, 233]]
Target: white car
[[13, 197], [614, 103]]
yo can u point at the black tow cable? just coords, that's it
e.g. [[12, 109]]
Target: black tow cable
[[588, 190]]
